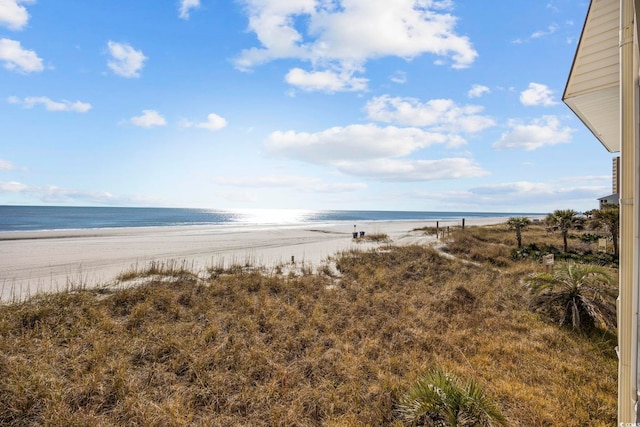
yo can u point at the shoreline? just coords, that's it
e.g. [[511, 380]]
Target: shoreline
[[33, 262], [229, 227]]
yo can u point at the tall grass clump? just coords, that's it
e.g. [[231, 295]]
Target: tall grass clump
[[169, 268]]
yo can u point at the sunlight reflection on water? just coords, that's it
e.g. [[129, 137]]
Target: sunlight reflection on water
[[271, 216]]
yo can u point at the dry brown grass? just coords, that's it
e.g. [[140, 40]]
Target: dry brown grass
[[246, 348], [375, 237]]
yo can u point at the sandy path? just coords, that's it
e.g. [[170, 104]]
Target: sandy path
[[49, 261]]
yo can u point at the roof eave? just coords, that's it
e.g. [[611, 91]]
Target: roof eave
[[593, 86]]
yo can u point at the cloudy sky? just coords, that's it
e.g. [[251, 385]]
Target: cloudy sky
[[440, 105]]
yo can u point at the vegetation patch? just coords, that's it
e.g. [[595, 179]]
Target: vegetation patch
[[375, 237], [243, 347]]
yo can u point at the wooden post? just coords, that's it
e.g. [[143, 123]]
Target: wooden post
[[437, 229], [462, 224]]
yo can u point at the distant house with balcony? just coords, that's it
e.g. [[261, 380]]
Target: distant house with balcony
[[611, 199]]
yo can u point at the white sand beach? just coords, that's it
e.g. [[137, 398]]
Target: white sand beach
[[50, 261]]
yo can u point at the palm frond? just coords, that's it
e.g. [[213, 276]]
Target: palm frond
[[440, 399], [581, 296]]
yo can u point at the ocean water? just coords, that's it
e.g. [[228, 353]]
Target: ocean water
[[39, 218]]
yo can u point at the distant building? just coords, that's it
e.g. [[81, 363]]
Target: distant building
[[614, 198], [615, 176], [611, 199]]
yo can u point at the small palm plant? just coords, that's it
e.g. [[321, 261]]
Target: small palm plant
[[564, 220], [581, 296], [440, 399], [518, 223]]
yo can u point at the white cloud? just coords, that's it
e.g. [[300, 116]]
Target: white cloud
[[6, 165], [55, 194], [52, 193], [354, 142], [64, 105], [550, 30], [606, 179], [374, 152], [553, 7], [521, 195], [440, 114], [325, 81], [399, 77], [537, 94], [12, 187], [16, 58], [345, 36], [541, 132], [125, 60], [542, 33], [513, 189], [285, 181], [477, 91], [13, 15], [149, 118], [414, 170], [186, 6], [532, 191], [303, 183], [214, 122], [335, 188]]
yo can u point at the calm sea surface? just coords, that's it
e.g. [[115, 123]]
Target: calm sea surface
[[36, 218]]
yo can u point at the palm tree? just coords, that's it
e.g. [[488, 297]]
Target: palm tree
[[518, 223], [564, 220], [579, 295], [441, 399], [608, 218]]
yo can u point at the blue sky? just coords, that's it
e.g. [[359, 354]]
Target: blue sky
[[444, 105]]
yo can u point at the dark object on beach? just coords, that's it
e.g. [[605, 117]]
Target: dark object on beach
[[355, 234], [362, 234]]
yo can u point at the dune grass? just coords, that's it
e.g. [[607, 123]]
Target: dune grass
[[375, 237], [249, 348]]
